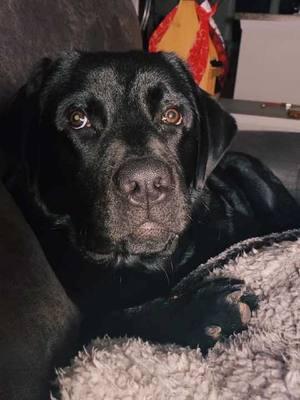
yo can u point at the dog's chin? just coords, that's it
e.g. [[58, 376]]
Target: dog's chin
[[150, 239]]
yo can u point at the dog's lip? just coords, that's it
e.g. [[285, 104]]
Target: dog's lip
[[148, 228], [120, 255]]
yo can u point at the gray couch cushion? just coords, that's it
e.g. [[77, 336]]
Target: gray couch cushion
[[33, 29], [37, 318]]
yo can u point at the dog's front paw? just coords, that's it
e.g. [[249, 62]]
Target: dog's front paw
[[193, 318], [217, 310]]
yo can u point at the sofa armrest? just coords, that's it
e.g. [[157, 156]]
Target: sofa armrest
[[38, 321]]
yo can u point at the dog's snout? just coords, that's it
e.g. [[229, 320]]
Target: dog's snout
[[144, 181]]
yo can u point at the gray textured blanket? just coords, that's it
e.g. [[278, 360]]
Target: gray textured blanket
[[260, 363]]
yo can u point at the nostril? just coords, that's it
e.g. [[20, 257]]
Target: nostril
[[157, 183], [129, 187], [162, 182]]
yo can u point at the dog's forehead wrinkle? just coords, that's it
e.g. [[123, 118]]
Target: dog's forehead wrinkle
[[146, 80]]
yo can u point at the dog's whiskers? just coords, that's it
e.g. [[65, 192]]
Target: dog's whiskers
[[159, 268], [203, 203]]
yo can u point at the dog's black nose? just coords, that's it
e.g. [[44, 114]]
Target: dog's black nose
[[144, 181]]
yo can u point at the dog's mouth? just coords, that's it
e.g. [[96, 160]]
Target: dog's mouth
[[148, 230], [149, 238]]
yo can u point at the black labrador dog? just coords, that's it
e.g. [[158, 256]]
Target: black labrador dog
[[117, 161]]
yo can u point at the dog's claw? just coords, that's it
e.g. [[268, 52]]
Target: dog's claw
[[245, 313], [234, 297], [214, 331]]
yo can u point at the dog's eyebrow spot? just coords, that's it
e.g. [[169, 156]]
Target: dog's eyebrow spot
[[155, 93], [97, 110], [154, 97]]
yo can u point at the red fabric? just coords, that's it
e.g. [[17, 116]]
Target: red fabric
[[198, 55], [160, 31]]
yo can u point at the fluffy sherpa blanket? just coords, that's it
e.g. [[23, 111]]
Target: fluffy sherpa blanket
[[260, 363]]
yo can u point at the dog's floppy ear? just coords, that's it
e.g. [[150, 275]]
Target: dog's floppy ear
[[217, 129], [38, 76]]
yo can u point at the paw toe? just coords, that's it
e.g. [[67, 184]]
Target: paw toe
[[234, 297], [214, 331], [245, 313], [237, 298]]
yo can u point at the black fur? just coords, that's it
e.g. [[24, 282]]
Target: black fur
[[65, 182]]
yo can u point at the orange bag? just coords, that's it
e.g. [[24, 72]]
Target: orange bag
[[190, 31]]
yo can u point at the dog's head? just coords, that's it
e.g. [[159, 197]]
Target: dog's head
[[116, 144]]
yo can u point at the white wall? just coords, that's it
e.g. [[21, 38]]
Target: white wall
[[269, 60]]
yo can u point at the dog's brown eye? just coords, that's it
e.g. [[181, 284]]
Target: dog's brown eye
[[172, 117], [78, 120]]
